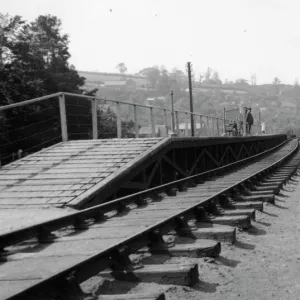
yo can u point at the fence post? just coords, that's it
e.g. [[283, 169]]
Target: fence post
[[63, 117], [172, 115], [213, 126], [218, 131], [244, 120], [136, 125], [259, 122], [119, 126], [224, 117], [166, 121], [177, 124], [207, 122], [186, 133], [201, 126], [152, 122], [94, 118], [195, 124]]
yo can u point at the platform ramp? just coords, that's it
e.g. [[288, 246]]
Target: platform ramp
[[68, 173]]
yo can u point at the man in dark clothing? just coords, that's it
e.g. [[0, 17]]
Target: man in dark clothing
[[249, 121], [234, 129]]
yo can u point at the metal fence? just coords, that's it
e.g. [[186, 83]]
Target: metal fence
[[32, 125]]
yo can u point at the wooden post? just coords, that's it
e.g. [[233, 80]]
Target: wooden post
[[207, 130], [136, 125], [172, 113], [243, 117], [201, 127], [186, 133], [166, 122], [152, 122], [119, 125], [63, 118], [177, 123], [218, 131], [94, 103], [259, 123], [224, 117]]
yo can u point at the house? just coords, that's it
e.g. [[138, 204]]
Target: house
[[160, 131], [119, 85], [96, 77]]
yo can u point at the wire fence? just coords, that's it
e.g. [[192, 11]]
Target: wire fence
[[32, 125], [27, 129]]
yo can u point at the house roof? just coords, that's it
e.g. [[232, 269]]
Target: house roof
[[115, 83]]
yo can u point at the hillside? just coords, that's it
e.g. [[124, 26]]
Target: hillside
[[277, 103]]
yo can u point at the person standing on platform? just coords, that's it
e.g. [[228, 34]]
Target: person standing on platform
[[263, 128], [249, 121]]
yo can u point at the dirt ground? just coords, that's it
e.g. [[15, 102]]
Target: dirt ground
[[263, 264]]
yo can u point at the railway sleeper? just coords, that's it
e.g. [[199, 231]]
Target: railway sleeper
[[177, 274], [204, 230], [188, 248], [242, 222], [147, 296], [257, 198]]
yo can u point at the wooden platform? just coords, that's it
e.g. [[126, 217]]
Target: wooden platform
[[66, 172], [78, 174]]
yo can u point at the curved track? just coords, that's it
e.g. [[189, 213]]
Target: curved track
[[70, 249]]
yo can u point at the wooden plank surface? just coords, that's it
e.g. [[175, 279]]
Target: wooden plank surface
[[59, 174]]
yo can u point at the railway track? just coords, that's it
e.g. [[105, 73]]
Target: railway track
[[188, 217]]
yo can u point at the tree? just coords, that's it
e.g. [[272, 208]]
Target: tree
[[122, 68], [216, 78], [34, 62], [152, 73], [276, 82], [253, 80], [241, 81], [107, 125], [201, 76], [208, 73]]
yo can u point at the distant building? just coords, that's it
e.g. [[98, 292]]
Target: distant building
[[98, 77], [160, 131], [119, 85]]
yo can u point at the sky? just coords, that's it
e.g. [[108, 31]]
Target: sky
[[237, 38]]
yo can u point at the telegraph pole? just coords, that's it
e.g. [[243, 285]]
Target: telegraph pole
[[172, 133], [191, 97]]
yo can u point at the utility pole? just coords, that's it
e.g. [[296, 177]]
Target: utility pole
[[172, 133], [191, 98]]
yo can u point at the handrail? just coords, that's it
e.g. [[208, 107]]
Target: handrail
[[5, 107], [139, 105], [9, 106], [209, 125]]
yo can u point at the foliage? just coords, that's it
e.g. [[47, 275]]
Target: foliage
[[122, 68], [33, 62], [107, 125]]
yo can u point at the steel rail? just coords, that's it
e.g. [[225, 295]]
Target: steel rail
[[33, 231], [93, 265]]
